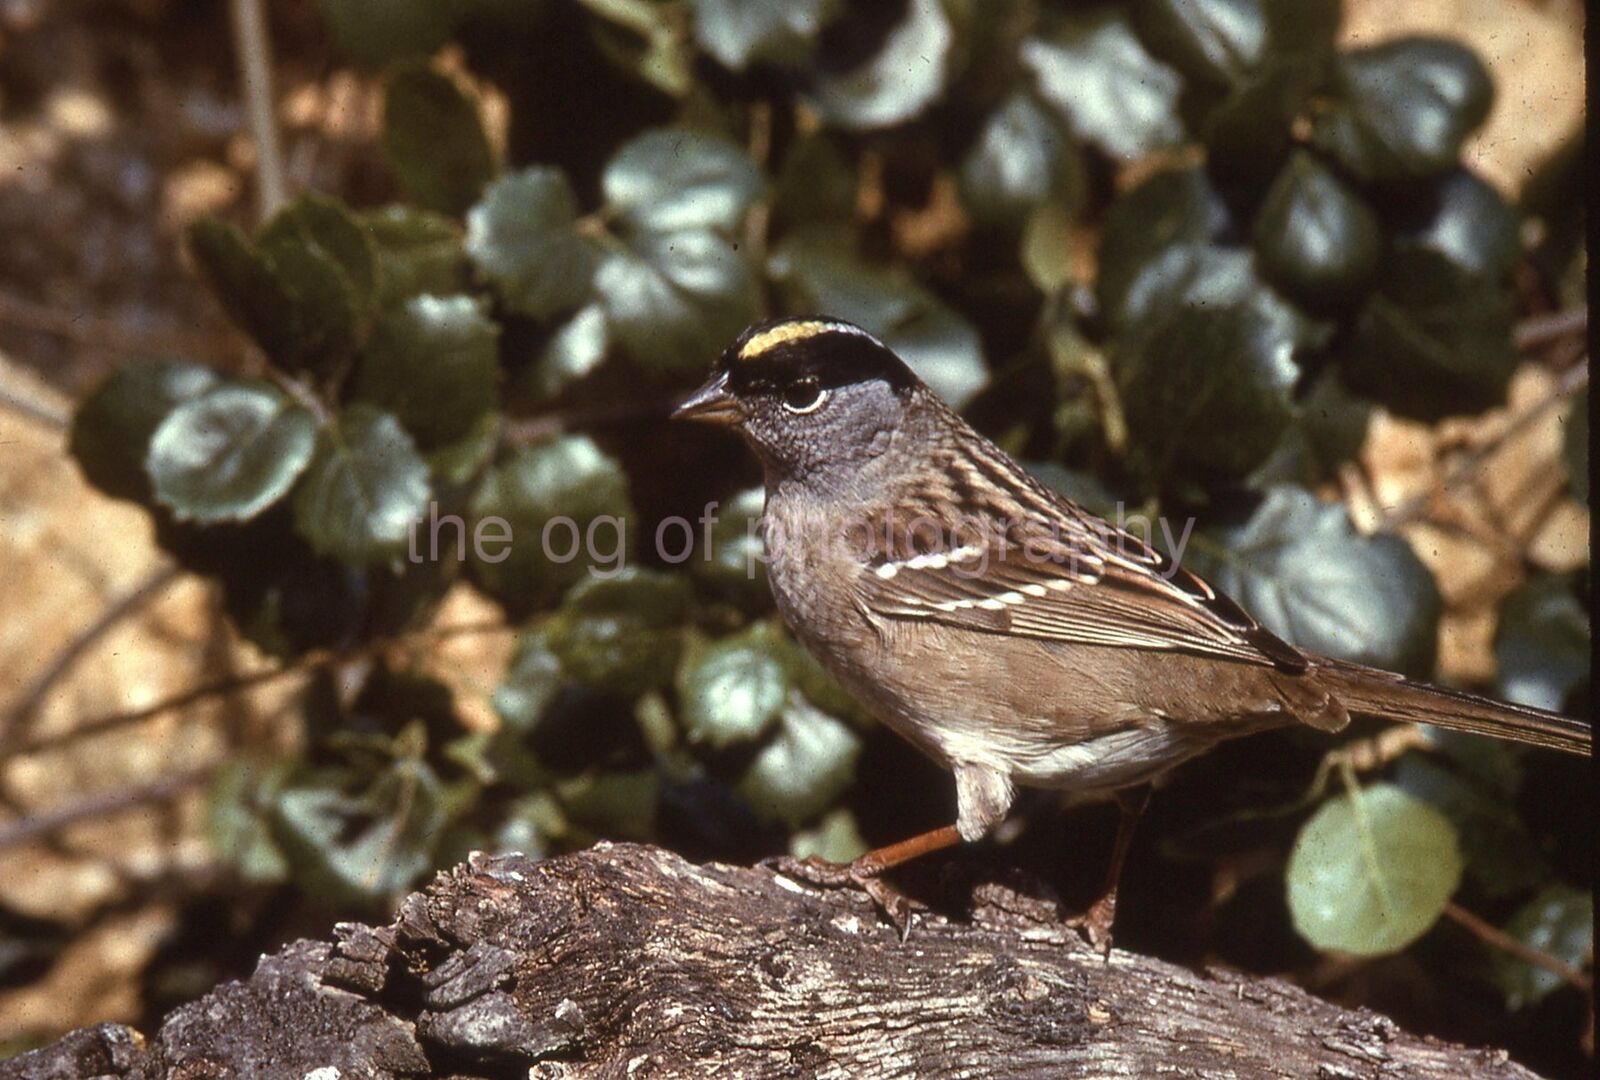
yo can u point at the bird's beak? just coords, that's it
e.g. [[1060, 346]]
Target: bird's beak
[[712, 404]]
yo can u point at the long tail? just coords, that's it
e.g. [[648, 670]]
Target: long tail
[[1374, 692]]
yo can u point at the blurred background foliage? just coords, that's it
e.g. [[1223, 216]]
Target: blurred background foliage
[[1201, 259]]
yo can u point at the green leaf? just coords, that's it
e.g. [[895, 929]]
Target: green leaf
[[327, 226], [417, 251], [1371, 872], [111, 430], [835, 838], [1559, 922], [1021, 158], [613, 804], [1541, 645], [734, 688], [457, 463], [1300, 567], [622, 633], [245, 284], [434, 362], [230, 453], [328, 317], [365, 490], [238, 814], [902, 80], [352, 839], [804, 767], [564, 508], [435, 141], [669, 179], [1401, 110], [674, 299], [1250, 131], [1214, 41], [532, 682], [573, 351], [1469, 223], [374, 32], [523, 235], [816, 188], [937, 343], [735, 565], [1432, 340], [1206, 389], [1317, 240], [1173, 208], [647, 40], [1575, 447], [738, 32], [1501, 855], [1110, 90]]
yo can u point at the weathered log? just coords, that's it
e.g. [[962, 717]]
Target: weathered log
[[627, 961]]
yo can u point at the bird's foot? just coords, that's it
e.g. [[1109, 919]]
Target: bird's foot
[[862, 874], [1095, 923]]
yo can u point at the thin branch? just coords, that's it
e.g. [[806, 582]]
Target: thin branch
[[1496, 938], [51, 416], [17, 717], [35, 826], [1539, 330], [253, 46], [184, 698], [1572, 382], [81, 328]]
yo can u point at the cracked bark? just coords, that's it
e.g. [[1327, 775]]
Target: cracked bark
[[627, 961]]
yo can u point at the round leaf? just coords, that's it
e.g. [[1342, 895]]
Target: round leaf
[[674, 299], [572, 352], [365, 490], [326, 224], [1021, 158], [377, 31], [1371, 872], [1559, 922], [1471, 225], [230, 453], [562, 509], [524, 236], [1112, 92], [803, 769], [1215, 41], [904, 78], [112, 428], [668, 179], [1300, 567], [1401, 110], [1541, 644], [433, 362], [1317, 240], [1173, 208], [435, 140], [734, 688], [1206, 390], [417, 252], [1432, 340], [739, 31], [623, 633]]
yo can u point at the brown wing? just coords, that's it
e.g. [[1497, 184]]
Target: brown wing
[[1048, 569]]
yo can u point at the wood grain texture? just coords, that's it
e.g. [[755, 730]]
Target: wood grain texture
[[627, 961]]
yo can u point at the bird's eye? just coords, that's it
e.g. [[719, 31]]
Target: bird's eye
[[804, 396]]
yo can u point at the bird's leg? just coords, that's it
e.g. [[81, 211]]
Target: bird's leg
[[1096, 921], [866, 871]]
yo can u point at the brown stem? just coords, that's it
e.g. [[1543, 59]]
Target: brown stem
[[1496, 938]]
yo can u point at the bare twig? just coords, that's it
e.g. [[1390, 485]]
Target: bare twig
[[82, 328], [1572, 381], [55, 819], [56, 418], [1496, 938], [1539, 330], [16, 718], [254, 48]]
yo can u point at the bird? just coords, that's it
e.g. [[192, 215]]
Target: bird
[[1008, 633]]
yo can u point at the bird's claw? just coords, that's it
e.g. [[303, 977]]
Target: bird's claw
[[1095, 924], [815, 870]]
